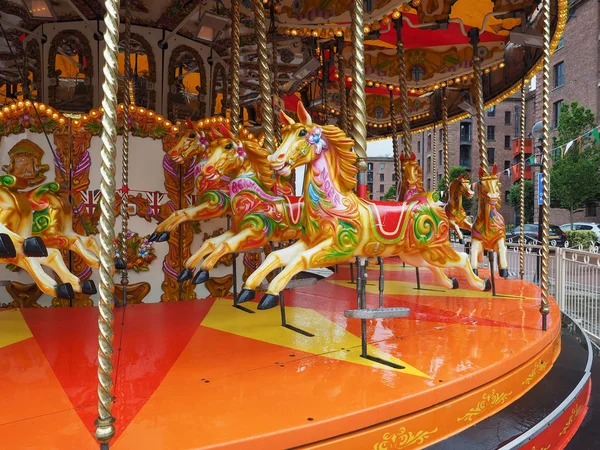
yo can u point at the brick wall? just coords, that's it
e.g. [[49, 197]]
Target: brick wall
[[382, 176]]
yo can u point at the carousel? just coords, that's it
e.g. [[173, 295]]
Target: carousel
[[190, 259]]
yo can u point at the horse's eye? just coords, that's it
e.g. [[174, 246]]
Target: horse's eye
[[192, 136], [229, 146], [302, 133]]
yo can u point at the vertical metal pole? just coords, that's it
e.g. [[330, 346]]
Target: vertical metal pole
[[264, 77], [407, 144], [545, 211], [359, 110], [105, 428], [522, 133], [235, 66], [492, 277], [418, 278], [479, 105], [445, 146], [381, 281], [276, 124], [363, 305]]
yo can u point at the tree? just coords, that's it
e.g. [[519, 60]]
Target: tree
[[455, 172], [514, 198], [575, 177], [390, 195]]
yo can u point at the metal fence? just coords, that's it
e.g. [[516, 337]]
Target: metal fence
[[574, 279]]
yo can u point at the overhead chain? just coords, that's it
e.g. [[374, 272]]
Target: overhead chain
[[235, 67], [264, 75], [105, 428]]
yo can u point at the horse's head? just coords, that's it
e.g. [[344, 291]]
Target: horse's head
[[411, 172], [463, 184], [193, 142], [301, 143], [225, 154], [489, 186]]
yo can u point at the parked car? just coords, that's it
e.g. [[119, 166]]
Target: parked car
[[583, 226], [557, 236]]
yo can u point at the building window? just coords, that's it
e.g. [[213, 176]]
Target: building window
[[381, 188], [491, 133], [491, 154], [428, 164], [465, 132], [506, 164], [370, 166], [381, 197], [428, 142], [382, 177], [394, 177], [381, 166], [556, 113], [506, 194], [491, 111], [465, 156], [369, 176], [441, 156], [440, 140], [590, 210], [428, 184], [559, 74], [506, 141], [507, 117], [419, 147], [561, 42]]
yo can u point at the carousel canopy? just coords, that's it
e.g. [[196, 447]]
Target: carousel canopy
[[307, 35]]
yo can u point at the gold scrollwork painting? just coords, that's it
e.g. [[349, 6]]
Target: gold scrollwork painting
[[403, 439], [488, 401]]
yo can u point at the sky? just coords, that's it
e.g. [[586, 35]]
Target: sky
[[375, 148]]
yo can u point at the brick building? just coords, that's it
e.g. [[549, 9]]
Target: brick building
[[380, 176]]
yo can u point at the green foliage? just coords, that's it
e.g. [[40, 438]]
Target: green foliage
[[390, 195], [581, 237], [514, 198], [575, 178], [455, 172], [509, 227]]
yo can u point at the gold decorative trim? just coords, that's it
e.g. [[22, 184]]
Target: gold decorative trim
[[541, 448], [488, 401], [403, 439], [539, 368], [574, 413]]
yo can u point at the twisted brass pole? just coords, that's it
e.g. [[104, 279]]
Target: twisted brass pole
[[445, 145], [127, 100], [479, 104], [235, 66], [522, 193], [395, 141], [407, 142], [434, 160], [276, 124], [105, 428], [545, 210], [264, 77], [342, 84], [359, 110]]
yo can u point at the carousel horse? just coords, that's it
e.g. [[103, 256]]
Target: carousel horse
[[337, 225], [489, 232], [30, 253], [457, 216], [259, 213], [213, 193], [412, 177]]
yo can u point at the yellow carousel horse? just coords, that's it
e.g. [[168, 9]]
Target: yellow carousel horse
[[412, 177], [259, 213], [489, 232], [337, 225], [459, 188]]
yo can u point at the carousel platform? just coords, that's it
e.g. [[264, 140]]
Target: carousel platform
[[202, 374]]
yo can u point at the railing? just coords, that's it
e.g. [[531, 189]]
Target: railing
[[574, 279]]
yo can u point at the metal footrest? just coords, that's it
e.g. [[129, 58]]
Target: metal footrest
[[376, 313], [300, 282]]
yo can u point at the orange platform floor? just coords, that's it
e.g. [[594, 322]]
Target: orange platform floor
[[202, 374]]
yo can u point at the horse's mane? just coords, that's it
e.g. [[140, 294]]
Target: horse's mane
[[345, 157], [258, 158]]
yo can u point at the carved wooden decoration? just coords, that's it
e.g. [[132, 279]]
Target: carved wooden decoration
[[80, 301], [136, 292], [23, 295], [220, 286], [26, 162]]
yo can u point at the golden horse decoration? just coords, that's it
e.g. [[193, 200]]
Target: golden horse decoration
[[337, 225], [412, 177], [459, 187], [30, 252], [489, 232], [260, 213]]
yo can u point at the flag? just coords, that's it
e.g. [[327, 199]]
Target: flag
[[569, 144], [596, 135], [90, 199], [532, 159], [22, 37], [154, 200]]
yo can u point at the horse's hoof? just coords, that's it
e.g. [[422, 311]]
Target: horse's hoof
[[163, 237], [488, 285], [476, 272], [186, 274], [7, 248], [65, 290], [120, 264], [88, 287], [503, 273], [153, 237], [35, 247], [245, 296], [201, 277], [268, 301], [454, 283]]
